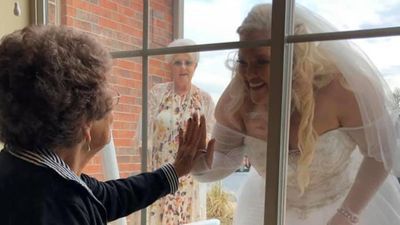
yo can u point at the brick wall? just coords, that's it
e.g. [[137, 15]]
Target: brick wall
[[118, 25]]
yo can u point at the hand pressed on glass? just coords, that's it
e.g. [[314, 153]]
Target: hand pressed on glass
[[191, 145]]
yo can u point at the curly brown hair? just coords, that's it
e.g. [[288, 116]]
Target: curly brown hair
[[52, 80]]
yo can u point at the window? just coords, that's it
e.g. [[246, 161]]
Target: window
[[137, 37]]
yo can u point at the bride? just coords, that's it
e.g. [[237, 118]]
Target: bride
[[343, 141]]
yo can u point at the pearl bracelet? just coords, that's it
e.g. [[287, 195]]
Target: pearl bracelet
[[353, 218]]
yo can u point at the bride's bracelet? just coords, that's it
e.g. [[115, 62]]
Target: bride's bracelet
[[349, 215]]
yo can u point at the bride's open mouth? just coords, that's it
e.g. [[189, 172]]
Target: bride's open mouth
[[257, 85]]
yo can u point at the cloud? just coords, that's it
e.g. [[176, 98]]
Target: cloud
[[393, 70], [393, 81], [383, 51], [213, 21], [388, 16], [354, 14]]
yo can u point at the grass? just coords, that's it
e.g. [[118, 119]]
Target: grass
[[220, 204]]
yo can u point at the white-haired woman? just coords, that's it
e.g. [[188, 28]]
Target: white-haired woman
[[339, 104], [170, 105]]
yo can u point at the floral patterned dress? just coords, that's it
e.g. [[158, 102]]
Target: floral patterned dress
[[167, 113]]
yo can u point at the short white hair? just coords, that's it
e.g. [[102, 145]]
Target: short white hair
[[183, 42]]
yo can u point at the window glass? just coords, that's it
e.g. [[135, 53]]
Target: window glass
[[118, 24], [209, 21], [359, 14]]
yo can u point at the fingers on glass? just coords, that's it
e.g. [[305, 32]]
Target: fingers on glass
[[195, 135], [181, 138], [189, 128], [203, 133]]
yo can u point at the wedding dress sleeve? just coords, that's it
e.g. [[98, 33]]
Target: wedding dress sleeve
[[208, 111], [228, 155]]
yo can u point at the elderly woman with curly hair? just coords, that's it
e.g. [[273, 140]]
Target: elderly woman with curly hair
[[55, 115]]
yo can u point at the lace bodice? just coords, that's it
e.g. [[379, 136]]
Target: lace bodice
[[331, 173]]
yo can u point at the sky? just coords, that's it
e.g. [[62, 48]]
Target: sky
[[208, 21]]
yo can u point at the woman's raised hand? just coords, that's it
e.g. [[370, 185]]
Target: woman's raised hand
[[192, 144]]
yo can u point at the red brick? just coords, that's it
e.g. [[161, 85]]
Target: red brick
[[83, 5], [125, 108], [120, 124], [123, 142], [124, 90], [93, 168], [126, 151], [123, 133], [128, 159], [129, 167], [100, 11], [126, 64], [69, 21], [123, 116], [109, 5], [83, 25], [109, 23], [70, 11], [130, 100], [159, 24], [124, 82]]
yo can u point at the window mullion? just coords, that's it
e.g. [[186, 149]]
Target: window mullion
[[145, 62], [278, 113]]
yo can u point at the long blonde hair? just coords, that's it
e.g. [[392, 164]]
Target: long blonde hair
[[311, 71]]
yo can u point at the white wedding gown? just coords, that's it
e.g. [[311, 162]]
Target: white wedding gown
[[332, 172]]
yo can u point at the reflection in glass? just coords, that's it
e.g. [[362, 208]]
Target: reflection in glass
[[118, 25]]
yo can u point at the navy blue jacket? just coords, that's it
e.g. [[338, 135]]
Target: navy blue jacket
[[34, 193]]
